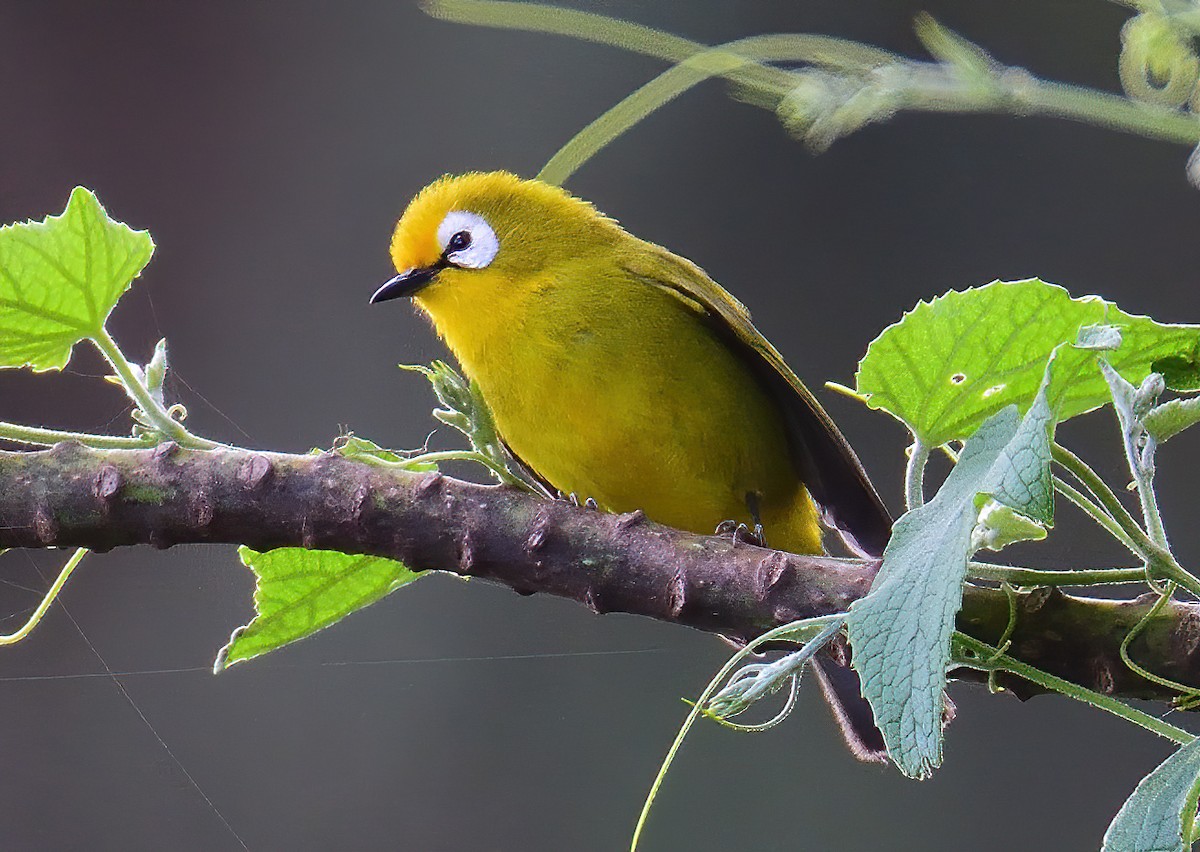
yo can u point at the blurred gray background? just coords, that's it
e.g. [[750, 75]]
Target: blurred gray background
[[269, 148]]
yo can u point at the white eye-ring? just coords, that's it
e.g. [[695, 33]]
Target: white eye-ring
[[467, 240]]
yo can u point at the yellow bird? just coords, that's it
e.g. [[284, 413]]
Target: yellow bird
[[619, 371]]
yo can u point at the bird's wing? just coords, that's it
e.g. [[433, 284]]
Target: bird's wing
[[527, 470], [824, 460]]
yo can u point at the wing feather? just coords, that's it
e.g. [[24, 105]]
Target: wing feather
[[824, 459]]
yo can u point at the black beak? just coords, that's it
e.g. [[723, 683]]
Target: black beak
[[408, 283]]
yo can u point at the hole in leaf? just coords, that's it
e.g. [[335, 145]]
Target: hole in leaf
[[958, 378]]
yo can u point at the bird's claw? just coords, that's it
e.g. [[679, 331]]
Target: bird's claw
[[573, 499], [739, 533]]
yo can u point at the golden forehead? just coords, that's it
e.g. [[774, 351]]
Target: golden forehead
[[500, 197]]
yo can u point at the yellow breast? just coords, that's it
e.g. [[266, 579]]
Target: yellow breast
[[614, 389]]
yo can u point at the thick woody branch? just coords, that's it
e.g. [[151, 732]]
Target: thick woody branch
[[71, 496]]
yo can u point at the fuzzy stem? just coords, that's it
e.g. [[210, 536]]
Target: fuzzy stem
[[1160, 563], [1037, 577], [1096, 513], [1091, 480], [39, 437], [914, 474], [982, 656], [785, 631], [1004, 91]]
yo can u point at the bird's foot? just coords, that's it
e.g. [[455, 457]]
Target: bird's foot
[[739, 533], [573, 499]]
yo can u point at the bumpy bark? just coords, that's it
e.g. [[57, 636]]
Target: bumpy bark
[[101, 499]]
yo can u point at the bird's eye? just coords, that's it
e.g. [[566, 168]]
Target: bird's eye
[[467, 240]]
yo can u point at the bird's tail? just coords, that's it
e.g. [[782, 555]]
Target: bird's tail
[[843, 692]]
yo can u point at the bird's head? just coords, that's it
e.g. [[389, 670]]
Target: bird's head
[[466, 244]]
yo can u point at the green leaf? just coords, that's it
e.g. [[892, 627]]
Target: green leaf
[[951, 363], [1169, 419], [360, 449], [1100, 338], [1000, 491], [1161, 809], [1020, 479], [999, 526], [301, 591], [900, 632], [60, 278], [1181, 372]]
